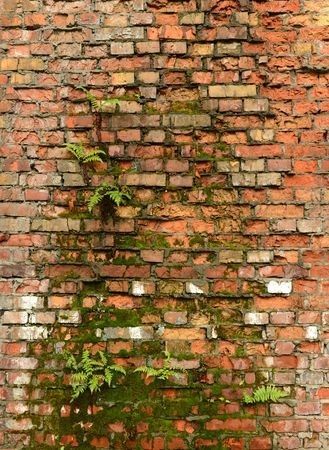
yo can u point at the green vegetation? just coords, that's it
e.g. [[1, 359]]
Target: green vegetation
[[98, 105], [265, 394], [90, 372], [162, 373], [187, 107], [114, 193], [83, 156]]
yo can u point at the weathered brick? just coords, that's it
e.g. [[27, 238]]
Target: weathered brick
[[14, 317], [256, 105], [7, 64], [184, 120], [122, 48], [176, 317], [232, 90], [119, 33], [15, 225], [232, 256], [31, 64], [221, 253], [254, 318], [269, 179], [134, 333], [148, 47], [175, 47], [122, 78], [146, 179]]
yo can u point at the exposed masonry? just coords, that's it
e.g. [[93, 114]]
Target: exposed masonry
[[221, 258]]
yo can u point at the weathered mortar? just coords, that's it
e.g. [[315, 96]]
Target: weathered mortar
[[220, 257]]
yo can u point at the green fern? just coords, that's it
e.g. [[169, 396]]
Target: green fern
[[90, 97], [265, 394], [90, 372], [82, 156], [108, 102], [99, 105], [117, 196], [162, 373]]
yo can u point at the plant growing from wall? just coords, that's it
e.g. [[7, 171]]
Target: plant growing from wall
[[107, 196], [84, 157], [162, 373], [99, 105], [90, 372], [265, 394]]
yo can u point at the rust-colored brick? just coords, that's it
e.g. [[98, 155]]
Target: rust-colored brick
[[219, 129]]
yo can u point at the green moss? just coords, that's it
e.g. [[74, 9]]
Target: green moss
[[130, 261], [151, 348], [148, 240], [187, 107], [93, 287], [112, 318], [227, 315], [234, 332], [149, 109], [70, 275], [224, 148], [204, 156], [240, 352], [197, 240], [209, 192]]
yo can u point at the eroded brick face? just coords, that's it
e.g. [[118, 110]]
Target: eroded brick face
[[219, 129]]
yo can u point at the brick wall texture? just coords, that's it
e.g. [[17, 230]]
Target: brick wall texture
[[219, 128]]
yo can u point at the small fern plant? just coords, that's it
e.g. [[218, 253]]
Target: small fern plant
[[265, 394], [163, 373], [117, 195], [90, 372], [84, 157], [99, 105]]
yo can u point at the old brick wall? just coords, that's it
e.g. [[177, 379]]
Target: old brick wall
[[221, 256]]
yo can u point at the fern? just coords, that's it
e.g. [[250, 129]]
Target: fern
[[99, 105], [265, 394], [90, 97], [82, 156], [108, 102], [164, 372], [90, 373], [118, 196]]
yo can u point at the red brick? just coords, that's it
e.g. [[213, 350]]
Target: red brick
[[231, 425]]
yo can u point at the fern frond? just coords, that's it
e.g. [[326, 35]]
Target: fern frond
[[77, 391], [94, 156], [102, 357], [77, 150], [148, 371], [90, 97], [265, 394], [108, 376], [82, 156], [108, 102], [91, 372], [95, 199], [71, 362], [162, 373], [117, 196], [248, 399], [95, 383], [79, 378]]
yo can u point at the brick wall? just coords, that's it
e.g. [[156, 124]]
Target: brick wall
[[219, 129]]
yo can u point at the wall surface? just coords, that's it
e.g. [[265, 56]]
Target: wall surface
[[219, 128]]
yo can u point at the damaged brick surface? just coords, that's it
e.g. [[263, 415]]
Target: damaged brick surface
[[219, 129]]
